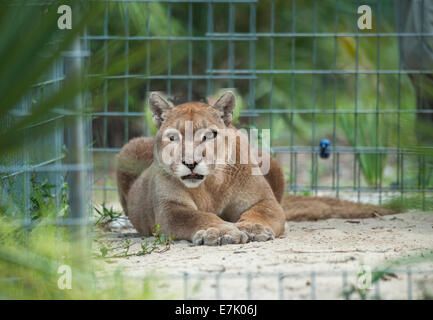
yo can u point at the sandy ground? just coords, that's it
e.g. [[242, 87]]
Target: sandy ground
[[311, 260]]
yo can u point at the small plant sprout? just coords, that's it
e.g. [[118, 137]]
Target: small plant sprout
[[159, 244], [154, 245], [106, 215], [105, 249]]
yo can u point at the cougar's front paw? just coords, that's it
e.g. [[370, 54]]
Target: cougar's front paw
[[256, 231], [220, 235]]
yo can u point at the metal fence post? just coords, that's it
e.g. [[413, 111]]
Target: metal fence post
[[75, 143]]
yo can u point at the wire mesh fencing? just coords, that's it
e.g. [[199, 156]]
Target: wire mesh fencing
[[408, 284], [303, 69], [18, 170], [47, 179], [307, 285]]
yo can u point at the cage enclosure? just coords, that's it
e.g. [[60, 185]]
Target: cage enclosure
[[349, 112]]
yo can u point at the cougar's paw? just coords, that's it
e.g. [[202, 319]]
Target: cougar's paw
[[256, 231], [216, 236]]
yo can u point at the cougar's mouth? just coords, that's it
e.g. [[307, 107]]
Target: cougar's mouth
[[193, 176]]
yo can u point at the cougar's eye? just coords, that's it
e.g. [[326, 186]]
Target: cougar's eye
[[210, 135], [172, 136]]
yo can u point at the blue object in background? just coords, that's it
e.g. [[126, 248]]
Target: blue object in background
[[324, 146]]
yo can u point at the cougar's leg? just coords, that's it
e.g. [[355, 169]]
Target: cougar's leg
[[263, 221]]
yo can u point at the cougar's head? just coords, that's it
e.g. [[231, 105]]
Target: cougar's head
[[191, 140]]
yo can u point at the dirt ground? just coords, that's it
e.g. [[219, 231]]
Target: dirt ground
[[308, 261]]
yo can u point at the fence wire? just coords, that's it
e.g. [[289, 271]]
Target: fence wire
[[348, 284], [302, 69], [44, 169]]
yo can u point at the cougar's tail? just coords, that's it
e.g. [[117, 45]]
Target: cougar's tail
[[134, 157], [302, 208]]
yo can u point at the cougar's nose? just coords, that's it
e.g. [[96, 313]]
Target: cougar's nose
[[190, 166]]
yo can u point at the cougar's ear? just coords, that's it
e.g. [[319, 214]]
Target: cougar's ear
[[225, 105], [159, 107]]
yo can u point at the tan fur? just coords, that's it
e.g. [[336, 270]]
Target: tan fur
[[301, 208], [230, 206], [134, 157]]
